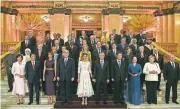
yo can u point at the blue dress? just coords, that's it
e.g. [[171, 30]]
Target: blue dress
[[134, 92]]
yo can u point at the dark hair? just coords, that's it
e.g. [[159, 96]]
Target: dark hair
[[33, 54], [19, 55], [133, 57], [119, 53]]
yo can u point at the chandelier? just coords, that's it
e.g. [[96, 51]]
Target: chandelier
[[85, 18]]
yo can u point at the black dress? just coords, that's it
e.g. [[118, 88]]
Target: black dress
[[49, 76]]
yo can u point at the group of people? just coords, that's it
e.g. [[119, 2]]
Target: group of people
[[110, 60]]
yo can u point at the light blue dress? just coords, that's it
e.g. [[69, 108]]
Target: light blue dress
[[134, 92]]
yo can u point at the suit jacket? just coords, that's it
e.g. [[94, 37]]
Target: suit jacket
[[110, 44], [160, 60], [112, 56], [61, 42], [32, 40], [49, 43], [23, 47], [9, 60], [101, 74], [41, 59], [128, 39], [121, 49], [140, 39], [33, 75], [142, 59], [73, 52], [119, 73], [134, 50], [170, 73], [66, 72], [95, 54]]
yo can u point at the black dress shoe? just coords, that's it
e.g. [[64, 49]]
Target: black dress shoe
[[167, 102], [175, 102], [10, 90], [29, 103], [37, 103]]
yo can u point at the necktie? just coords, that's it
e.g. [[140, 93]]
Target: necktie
[[33, 65], [65, 62], [102, 64], [119, 64], [173, 64], [99, 51]]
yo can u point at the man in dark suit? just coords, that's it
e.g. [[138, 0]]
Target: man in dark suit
[[25, 44], [134, 46], [171, 77], [48, 42], [66, 74], [121, 36], [96, 51], [9, 60], [101, 77], [122, 47], [119, 76], [160, 60], [141, 40], [41, 56], [32, 40], [111, 42], [129, 37], [33, 75], [84, 36], [91, 43], [58, 37]]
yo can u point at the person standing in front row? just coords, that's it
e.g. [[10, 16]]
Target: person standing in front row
[[33, 75], [20, 87], [65, 74], [85, 88], [101, 77], [9, 60], [119, 76], [134, 89], [171, 77], [49, 76], [151, 71]]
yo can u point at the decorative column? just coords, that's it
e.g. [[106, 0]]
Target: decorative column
[[170, 23], [60, 21], [177, 25], [113, 19], [165, 26]]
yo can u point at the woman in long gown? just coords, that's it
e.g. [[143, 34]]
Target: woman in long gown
[[134, 84], [85, 88], [19, 85], [49, 76]]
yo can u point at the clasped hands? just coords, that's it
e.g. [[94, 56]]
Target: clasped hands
[[21, 76], [153, 72], [58, 78], [134, 74]]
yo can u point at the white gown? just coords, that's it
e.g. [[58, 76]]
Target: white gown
[[19, 85], [85, 88]]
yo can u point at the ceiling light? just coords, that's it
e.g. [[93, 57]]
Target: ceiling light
[[86, 18]]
